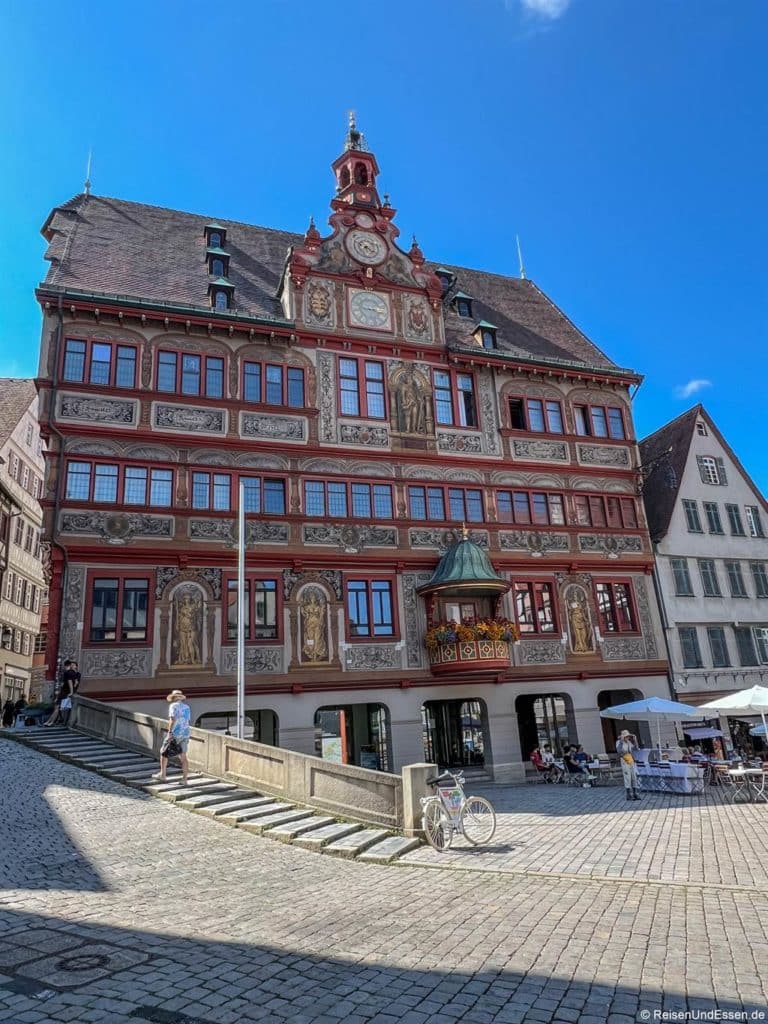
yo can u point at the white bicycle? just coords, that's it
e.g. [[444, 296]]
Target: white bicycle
[[451, 810]]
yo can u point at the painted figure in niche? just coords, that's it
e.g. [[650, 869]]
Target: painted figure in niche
[[188, 628], [314, 645], [410, 407], [578, 619]]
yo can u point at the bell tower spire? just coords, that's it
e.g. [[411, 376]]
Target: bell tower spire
[[356, 170]]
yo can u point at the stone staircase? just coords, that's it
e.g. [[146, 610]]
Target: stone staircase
[[222, 801]]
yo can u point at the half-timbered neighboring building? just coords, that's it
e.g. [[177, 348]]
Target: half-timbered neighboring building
[[420, 444]]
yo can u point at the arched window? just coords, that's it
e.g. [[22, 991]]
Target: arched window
[[361, 174], [214, 240], [345, 177], [221, 300], [217, 267]]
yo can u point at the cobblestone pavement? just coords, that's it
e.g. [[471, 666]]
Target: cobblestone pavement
[[119, 908], [597, 833]]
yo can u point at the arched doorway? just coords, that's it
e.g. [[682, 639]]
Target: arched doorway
[[545, 719], [455, 733], [613, 726]]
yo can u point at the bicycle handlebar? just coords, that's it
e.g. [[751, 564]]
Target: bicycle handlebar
[[443, 777]]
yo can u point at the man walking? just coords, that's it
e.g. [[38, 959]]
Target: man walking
[[625, 745], [176, 742]]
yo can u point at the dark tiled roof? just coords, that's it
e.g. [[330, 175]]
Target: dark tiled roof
[[114, 247], [17, 396], [662, 484]]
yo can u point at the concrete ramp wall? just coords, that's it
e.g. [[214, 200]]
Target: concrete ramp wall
[[343, 790]]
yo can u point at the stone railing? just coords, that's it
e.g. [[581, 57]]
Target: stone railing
[[344, 790], [469, 654]]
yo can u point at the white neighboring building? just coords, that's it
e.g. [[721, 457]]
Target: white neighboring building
[[709, 526]]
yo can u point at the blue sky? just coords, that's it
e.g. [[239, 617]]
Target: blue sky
[[623, 141]]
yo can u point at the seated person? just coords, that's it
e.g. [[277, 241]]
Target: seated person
[[573, 767], [581, 755], [538, 763], [549, 759]]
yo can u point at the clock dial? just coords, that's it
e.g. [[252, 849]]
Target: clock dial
[[366, 247], [369, 309]]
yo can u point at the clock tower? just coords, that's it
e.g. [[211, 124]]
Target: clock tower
[[356, 171], [357, 280]]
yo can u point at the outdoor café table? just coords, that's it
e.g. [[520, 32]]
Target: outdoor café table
[[749, 785], [604, 772], [671, 777]]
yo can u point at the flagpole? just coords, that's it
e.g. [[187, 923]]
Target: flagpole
[[241, 610]]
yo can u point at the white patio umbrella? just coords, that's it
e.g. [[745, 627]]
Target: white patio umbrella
[[654, 708], [753, 701]]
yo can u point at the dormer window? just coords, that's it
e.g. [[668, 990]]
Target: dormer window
[[220, 299], [463, 304], [701, 429], [486, 334], [445, 277], [217, 266], [215, 236]]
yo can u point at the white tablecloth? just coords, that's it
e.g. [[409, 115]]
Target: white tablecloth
[[674, 777]]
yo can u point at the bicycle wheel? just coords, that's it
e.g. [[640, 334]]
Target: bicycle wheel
[[437, 829], [478, 820]]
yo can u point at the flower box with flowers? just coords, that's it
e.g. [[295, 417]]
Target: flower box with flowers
[[471, 643]]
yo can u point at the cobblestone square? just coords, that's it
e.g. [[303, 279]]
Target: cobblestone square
[[193, 921]]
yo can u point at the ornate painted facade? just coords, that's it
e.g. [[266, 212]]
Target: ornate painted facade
[[373, 403]]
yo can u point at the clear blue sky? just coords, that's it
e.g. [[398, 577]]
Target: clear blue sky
[[624, 142]]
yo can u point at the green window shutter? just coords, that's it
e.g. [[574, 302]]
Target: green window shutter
[[721, 472], [702, 471]]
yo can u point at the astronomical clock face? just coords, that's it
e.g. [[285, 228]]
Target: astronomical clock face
[[369, 309], [366, 247]]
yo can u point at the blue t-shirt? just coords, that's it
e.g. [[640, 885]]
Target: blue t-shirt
[[181, 715]]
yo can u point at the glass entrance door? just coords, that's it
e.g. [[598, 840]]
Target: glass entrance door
[[453, 733]]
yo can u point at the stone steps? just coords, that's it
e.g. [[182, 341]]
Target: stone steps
[[223, 801]]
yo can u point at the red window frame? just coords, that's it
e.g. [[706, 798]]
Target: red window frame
[[111, 573], [120, 482], [534, 589], [284, 369], [348, 485], [606, 409], [531, 520], [453, 375], [203, 390], [632, 604], [600, 511], [250, 577], [363, 412], [114, 345], [357, 577], [526, 400], [445, 490]]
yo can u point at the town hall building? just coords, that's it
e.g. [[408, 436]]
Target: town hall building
[[446, 557]]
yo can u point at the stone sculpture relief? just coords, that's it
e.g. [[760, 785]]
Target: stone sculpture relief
[[97, 410], [187, 633], [579, 621], [184, 418], [314, 626], [411, 407]]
